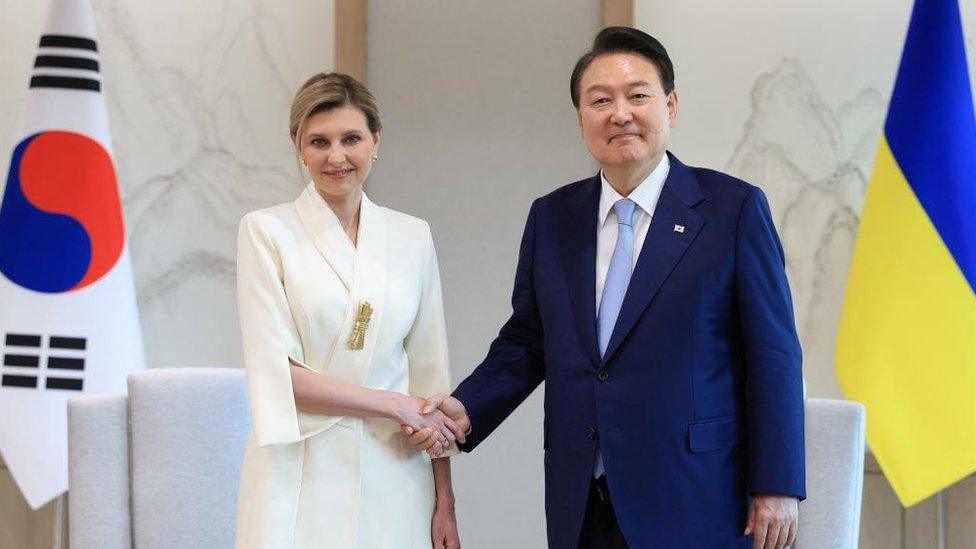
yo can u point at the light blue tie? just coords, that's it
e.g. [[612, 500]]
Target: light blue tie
[[615, 286]]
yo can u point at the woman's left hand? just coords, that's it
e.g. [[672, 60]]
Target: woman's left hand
[[443, 527]]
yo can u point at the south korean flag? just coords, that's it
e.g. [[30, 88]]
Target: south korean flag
[[68, 318]]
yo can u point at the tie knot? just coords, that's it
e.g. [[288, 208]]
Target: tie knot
[[624, 208]]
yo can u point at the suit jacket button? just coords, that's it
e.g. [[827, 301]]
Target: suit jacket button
[[591, 434], [603, 375]]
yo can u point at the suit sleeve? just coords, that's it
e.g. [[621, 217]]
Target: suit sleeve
[[774, 386], [514, 365], [271, 341]]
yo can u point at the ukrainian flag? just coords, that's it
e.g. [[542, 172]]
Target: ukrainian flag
[[906, 345]]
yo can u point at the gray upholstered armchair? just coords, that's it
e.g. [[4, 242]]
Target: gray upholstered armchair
[[831, 514], [159, 468]]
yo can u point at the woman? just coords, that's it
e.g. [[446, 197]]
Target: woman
[[342, 321]]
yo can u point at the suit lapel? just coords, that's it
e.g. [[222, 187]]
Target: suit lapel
[[327, 234], [578, 251], [673, 228]]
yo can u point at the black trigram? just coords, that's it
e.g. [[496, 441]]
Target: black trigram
[[22, 362], [67, 62]]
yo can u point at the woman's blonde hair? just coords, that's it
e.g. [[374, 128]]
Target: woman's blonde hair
[[330, 90]]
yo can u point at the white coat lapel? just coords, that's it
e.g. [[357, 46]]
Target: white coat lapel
[[369, 285], [327, 234]]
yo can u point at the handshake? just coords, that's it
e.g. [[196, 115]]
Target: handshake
[[435, 424]]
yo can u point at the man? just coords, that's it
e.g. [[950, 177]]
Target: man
[[653, 301]]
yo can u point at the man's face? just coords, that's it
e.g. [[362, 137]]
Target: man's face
[[624, 115]]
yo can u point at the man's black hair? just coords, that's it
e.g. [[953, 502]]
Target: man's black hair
[[624, 40]]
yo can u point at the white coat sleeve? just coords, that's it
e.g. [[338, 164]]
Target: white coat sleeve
[[426, 344], [270, 339]]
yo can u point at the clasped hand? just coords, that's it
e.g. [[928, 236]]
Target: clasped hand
[[417, 415], [429, 438]]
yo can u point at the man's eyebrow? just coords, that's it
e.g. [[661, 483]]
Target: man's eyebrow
[[633, 84]]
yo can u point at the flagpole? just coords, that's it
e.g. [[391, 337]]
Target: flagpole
[[941, 515], [58, 541]]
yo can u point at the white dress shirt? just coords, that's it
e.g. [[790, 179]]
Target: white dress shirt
[[645, 196]]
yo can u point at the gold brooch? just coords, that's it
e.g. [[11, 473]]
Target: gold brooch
[[358, 335]]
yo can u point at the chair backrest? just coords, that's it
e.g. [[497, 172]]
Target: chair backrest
[[831, 514], [98, 473], [170, 454]]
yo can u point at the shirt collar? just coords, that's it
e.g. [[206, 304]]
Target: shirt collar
[[645, 195]]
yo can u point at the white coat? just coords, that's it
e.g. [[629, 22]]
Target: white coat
[[315, 481]]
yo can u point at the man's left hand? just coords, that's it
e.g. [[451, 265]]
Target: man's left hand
[[772, 521]]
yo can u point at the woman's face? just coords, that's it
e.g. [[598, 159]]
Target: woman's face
[[337, 148]]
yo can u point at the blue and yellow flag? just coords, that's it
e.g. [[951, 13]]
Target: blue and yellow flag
[[906, 345]]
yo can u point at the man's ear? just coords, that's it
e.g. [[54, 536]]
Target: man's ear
[[673, 107]]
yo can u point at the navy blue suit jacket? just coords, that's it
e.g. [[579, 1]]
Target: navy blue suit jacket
[[697, 403]]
